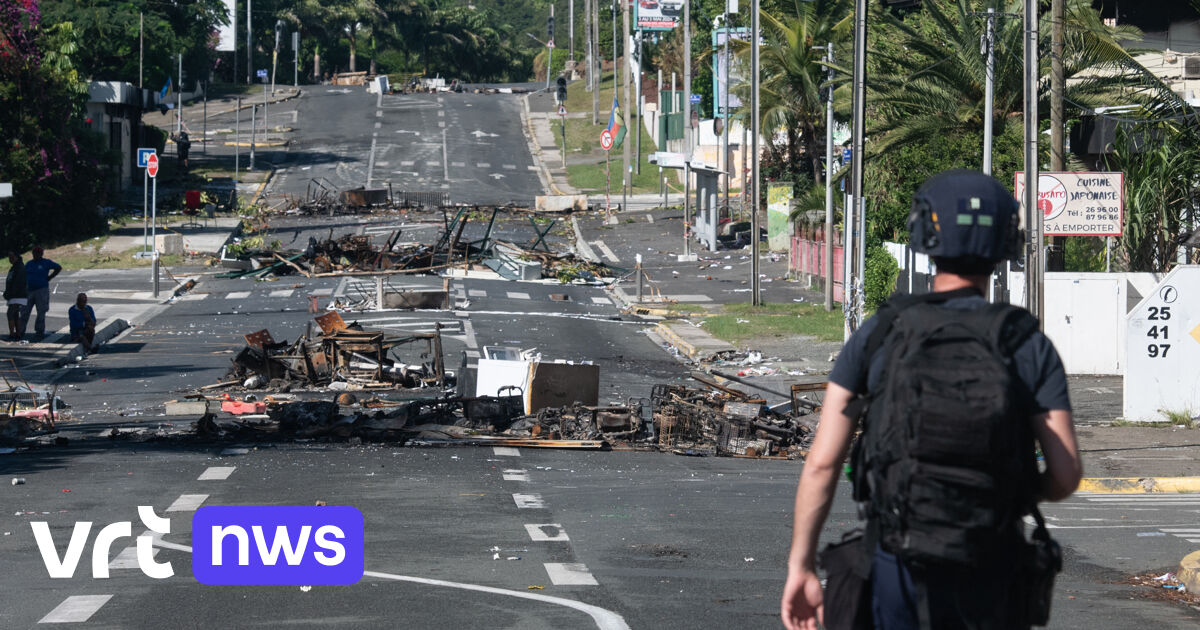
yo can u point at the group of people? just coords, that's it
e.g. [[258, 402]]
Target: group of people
[[27, 287]]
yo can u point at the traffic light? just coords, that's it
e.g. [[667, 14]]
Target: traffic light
[[550, 28], [562, 90]]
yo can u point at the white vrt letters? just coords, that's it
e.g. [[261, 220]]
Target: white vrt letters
[[101, 548], [70, 559], [338, 549]]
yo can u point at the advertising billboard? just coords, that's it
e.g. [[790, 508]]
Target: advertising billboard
[[1078, 204], [721, 69], [657, 15]]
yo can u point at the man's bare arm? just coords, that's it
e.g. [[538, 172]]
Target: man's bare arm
[[1055, 431], [814, 495]]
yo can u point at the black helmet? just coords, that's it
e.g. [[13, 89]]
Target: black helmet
[[964, 214]]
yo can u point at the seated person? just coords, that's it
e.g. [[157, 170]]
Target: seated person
[[83, 323]]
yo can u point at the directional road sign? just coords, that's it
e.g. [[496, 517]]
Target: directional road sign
[[152, 165], [606, 140], [695, 98], [144, 156], [262, 74]]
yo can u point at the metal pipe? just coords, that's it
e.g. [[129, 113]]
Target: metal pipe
[[1033, 217], [856, 158], [989, 99], [828, 183]]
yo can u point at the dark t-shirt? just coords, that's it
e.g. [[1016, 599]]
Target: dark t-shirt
[[1037, 362]]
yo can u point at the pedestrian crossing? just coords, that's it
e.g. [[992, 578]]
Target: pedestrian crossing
[[1149, 503]]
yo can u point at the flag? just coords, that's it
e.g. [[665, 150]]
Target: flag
[[165, 92], [616, 124]]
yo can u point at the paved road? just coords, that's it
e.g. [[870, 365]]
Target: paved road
[[653, 541], [470, 146]]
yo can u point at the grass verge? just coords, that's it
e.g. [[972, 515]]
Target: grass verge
[[741, 322]]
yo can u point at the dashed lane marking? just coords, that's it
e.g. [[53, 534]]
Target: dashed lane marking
[[234, 451], [505, 451], [76, 609], [601, 300], [187, 503], [483, 165], [237, 295], [517, 295], [322, 292], [529, 501], [570, 574], [604, 249], [282, 293], [127, 559], [546, 532], [650, 218], [472, 354], [516, 475], [511, 167], [216, 473], [476, 293]]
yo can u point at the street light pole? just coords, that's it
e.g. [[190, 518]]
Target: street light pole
[[726, 114], [755, 298], [1033, 216], [989, 100], [851, 294], [829, 184]]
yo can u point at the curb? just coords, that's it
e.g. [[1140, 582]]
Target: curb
[[262, 186], [1189, 572], [685, 348], [108, 330], [581, 246], [536, 150], [1140, 485]]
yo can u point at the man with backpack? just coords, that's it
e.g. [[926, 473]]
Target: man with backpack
[[951, 393]]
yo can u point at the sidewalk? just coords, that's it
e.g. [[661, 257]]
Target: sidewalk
[[545, 152]]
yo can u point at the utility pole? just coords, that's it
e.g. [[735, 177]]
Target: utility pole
[[1033, 216], [1054, 253], [755, 297], [141, 46], [571, 25], [249, 47], [828, 183], [595, 67], [550, 48], [726, 113], [587, 43], [626, 172], [295, 58], [851, 294], [179, 100], [989, 99], [687, 86], [616, 74], [638, 97]]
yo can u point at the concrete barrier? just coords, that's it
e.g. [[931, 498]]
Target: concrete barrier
[[560, 203]]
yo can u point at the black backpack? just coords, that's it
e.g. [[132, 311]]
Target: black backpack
[[945, 467]]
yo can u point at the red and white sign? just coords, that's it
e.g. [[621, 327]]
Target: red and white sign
[[1078, 204], [550, 44], [606, 140], [152, 165], [562, 110]]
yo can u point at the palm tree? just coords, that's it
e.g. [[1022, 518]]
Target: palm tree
[[793, 76], [931, 76]]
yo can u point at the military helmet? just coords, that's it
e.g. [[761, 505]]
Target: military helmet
[[964, 214]]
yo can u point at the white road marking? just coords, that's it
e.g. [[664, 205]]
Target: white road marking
[[283, 293], [407, 163], [378, 125], [506, 451], [604, 249], [476, 293], [603, 618], [517, 295], [538, 532], [650, 218], [187, 503], [458, 164], [469, 331], [601, 300], [474, 354], [570, 574], [322, 292], [441, 113], [237, 295], [482, 165], [1181, 531], [529, 501], [378, 113], [441, 123], [511, 167], [127, 559], [516, 475], [76, 609], [531, 168], [216, 473], [432, 163], [371, 158]]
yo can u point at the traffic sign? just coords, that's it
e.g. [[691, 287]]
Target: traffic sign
[[262, 74], [1162, 339], [847, 155], [152, 165], [562, 110], [5, 190], [144, 155], [606, 140], [695, 98], [550, 44]]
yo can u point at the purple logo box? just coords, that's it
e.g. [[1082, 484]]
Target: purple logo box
[[278, 545]]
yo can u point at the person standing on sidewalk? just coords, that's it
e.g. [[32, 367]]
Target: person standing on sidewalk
[[945, 468], [38, 274], [16, 294]]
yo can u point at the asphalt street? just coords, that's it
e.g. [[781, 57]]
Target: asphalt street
[[457, 537], [471, 147]]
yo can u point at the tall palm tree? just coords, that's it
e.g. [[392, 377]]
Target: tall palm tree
[[933, 76], [793, 75]]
